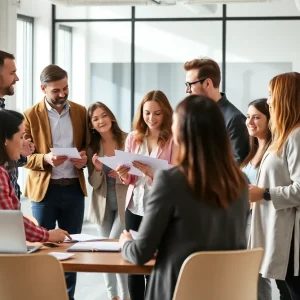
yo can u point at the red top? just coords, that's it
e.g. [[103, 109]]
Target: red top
[[9, 200]]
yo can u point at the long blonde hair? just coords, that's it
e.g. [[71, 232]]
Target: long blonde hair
[[285, 108]]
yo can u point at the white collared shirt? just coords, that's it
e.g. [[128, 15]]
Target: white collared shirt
[[143, 184], [62, 137]]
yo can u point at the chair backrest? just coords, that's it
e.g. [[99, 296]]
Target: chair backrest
[[226, 275], [31, 277]]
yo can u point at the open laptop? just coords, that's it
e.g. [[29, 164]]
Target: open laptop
[[12, 233]]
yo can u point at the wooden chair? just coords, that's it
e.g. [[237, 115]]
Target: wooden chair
[[31, 277], [219, 275]]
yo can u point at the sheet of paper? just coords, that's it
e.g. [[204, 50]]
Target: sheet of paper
[[110, 161], [113, 162], [134, 234], [126, 159], [95, 247], [61, 255], [70, 152], [82, 237]]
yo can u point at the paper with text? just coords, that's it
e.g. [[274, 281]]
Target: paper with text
[[70, 152]]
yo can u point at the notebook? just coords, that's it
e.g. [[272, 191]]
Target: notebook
[[82, 237], [95, 247]]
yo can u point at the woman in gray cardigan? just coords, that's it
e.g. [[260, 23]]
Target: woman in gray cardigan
[[276, 195], [201, 204], [108, 197]]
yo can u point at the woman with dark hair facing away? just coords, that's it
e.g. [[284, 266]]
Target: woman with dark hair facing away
[[107, 207], [11, 141], [276, 193], [199, 205], [257, 123], [152, 136]]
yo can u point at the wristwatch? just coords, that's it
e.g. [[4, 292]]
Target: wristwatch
[[267, 195]]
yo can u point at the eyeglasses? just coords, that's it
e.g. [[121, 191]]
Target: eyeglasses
[[189, 84]]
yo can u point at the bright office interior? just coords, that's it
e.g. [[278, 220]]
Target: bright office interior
[[255, 39]]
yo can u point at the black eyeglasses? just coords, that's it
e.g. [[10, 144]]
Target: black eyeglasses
[[189, 84]]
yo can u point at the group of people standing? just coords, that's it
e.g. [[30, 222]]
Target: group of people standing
[[202, 203]]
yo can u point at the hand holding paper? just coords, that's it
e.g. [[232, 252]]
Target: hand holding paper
[[79, 162], [127, 159], [144, 168]]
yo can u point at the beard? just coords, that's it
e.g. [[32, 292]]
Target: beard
[[60, 102], [9, 90]]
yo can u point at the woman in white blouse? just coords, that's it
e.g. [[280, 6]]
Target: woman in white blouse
[[276, 195], [152, 136]]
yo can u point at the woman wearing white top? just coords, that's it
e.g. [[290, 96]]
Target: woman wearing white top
[[276, 196], [152, 136], [108, 197], [257, 122], [258, 117]]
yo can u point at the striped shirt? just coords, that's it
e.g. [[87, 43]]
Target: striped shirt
[[9, 200]]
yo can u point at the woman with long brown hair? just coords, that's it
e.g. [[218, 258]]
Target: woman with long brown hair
[[152, 136], [276, 195], [199, 205], [108, 197]]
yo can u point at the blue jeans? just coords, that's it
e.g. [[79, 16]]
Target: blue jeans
[[64, 205]]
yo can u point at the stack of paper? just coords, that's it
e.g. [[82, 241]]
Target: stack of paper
[[127, 158], [82, 237], [95, 247]]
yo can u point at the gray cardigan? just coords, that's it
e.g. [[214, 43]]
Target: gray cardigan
[[97, 180], [178, 225], [273, 221]]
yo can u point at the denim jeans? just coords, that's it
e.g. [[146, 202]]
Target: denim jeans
[[64, 205]]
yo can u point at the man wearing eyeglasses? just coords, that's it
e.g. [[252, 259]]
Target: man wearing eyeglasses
[[203, 77]]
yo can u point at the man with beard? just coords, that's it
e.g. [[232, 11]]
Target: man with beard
[[8, 79], [203, 77], [56, 184]]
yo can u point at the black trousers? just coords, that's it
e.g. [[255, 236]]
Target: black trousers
[[283, 290], [293, 282], [136, 283]]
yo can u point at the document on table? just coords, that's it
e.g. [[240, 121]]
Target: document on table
[[82, 237], [95, 247], [70, 152], [126, 159]]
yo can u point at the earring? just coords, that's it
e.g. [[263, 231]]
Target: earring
[[93, 131]]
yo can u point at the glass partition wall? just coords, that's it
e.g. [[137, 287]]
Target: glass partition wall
[[118, 54]]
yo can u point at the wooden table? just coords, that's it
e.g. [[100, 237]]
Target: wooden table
[[106, 262]]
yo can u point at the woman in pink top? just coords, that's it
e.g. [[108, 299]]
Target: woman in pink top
[[152, 136]]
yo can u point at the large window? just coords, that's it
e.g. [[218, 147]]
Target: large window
[[24, 62], [161, 48], [127, 54], [64, 50]]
